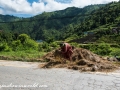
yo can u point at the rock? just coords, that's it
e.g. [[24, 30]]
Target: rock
[[86, 69], [95, 68], [82, 62], [73, 67], [112, 59]]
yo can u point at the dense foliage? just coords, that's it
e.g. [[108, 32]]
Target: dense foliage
[[10, 42], [72, 21], [100, 49], [99, 24], [51, 24], [8, 18]]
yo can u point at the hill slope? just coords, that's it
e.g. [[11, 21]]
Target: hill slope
[[50, 24], [8, 18], [104, 24], [58, 25]]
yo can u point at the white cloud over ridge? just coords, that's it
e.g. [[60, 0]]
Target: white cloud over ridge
[[25, 7]]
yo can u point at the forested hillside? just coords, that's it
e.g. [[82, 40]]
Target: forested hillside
[[8, 18], [71, 22], [98, 24], [51, 24], [103, 23]]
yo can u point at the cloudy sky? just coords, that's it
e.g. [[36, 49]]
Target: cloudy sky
[[27, 8]]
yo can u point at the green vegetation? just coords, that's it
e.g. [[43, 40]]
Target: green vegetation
[[96, 24], [102, 49], [58, 25], [8, 18], [24, 55], [24, 48]]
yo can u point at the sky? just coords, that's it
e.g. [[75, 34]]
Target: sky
[[29, 8]]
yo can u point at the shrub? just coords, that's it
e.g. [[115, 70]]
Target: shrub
[[48, 49], [40, 47], [4, 47], [53, 44], [87, 46], [74, 44], [115, 52], [30, 44], [102, 49], [23, 38], [16, 45], [45, 45], [27, 42]]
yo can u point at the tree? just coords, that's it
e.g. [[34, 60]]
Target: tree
[[27, 42], [23, 38]]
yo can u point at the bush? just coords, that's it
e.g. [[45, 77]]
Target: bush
[[40, 47], [74, 44], [45, 47], [16, 45], [115, 52], [53, 44], [48, 49], [23, 38], [4, 47], [102, 49], [30, 44], [87, 46], [27, 43]]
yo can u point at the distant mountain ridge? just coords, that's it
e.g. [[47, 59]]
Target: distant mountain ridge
[[8, 18], [48, 23]]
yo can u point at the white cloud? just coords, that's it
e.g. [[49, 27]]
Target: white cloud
[[24, 7], [82, 3], [15, 6], [1, 11]]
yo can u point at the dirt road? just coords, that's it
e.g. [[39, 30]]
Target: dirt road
[[15, 75]]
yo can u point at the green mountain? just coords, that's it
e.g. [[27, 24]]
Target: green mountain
[[8, 18], [51, 24], [102, 25], [71, 22]]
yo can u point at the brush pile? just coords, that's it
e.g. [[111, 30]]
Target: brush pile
[[82, 59]]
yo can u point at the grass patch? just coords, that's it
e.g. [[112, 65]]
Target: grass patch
[[27, 55]]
